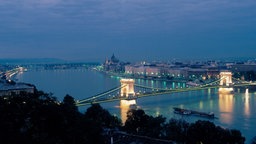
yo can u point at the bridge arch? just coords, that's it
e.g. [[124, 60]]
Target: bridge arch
[[127, 87], [226, 82], [225, 78]]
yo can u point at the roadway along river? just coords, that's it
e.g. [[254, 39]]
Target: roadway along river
[[234, 111]]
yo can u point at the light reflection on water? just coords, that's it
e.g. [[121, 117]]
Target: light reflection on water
[[233, 111], [124, 107], [247, 104], [226, 107]]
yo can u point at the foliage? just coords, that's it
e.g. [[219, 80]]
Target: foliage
[[253, 141], [101, 117], [176, 130], [139, 123], [40, 118], [136, 120], [207, 132]]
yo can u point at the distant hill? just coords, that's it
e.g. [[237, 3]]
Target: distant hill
[[32, 61]]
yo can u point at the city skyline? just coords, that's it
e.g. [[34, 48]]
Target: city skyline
[[133, 30]]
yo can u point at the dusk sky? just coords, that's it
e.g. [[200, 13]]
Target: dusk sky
[[134, 30]]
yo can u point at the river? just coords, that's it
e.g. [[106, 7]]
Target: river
[[233, 111]]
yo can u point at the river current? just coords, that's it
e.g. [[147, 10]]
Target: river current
[[233, 111]]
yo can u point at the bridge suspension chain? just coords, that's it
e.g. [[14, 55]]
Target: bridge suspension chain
[[101, 101], [99, 98], [211, 82], [153, 88], [100, 95]]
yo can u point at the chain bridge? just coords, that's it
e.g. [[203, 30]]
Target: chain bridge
[[129, 91]]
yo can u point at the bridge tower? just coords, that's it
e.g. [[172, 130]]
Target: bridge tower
[[127, 91], [226, 78], [226, 82]]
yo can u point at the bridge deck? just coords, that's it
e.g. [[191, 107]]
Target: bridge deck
[[114, 93]]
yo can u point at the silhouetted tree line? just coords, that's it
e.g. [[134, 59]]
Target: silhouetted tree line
[[180, 131], [40, 119]]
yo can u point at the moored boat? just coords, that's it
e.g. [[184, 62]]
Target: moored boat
[[192, 112], [182, 111]]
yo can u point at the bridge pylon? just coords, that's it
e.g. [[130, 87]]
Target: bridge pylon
[[127, 88], [127, 91], [226, 82]]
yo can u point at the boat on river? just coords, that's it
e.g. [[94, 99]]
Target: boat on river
[[182, 111], [192, 112]]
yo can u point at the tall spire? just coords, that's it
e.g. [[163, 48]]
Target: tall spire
[[106, 60], [114, 59], [113, 56]]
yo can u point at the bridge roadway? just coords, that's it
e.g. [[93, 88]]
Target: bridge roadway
[[10, 73], [105, 96]]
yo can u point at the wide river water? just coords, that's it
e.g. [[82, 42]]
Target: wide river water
[[233, 111]]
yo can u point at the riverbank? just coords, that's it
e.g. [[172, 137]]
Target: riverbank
[[123, 75], [188, 82]]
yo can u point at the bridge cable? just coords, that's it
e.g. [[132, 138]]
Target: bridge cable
[[101, 94]]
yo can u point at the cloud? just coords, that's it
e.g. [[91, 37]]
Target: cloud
[[120, 15], [103, 23]]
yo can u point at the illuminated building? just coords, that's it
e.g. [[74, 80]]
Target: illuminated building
[[9, 88]]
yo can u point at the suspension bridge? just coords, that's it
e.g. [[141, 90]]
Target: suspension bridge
[[130, 91]]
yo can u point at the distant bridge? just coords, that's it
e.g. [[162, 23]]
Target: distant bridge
[[8, 74], [130, 91]]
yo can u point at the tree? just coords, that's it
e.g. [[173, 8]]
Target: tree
[[207, 132], [136, 121], [176, 130], [98, 119], [154, 127], [139, 123], [40, 118], [253, 141], [102, 117], [69, 103], [202, 132], [236, 137]]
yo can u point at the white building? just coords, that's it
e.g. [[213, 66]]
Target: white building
[[15, 88]]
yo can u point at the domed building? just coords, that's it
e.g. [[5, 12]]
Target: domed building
[[114, 59], [113, 65]]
